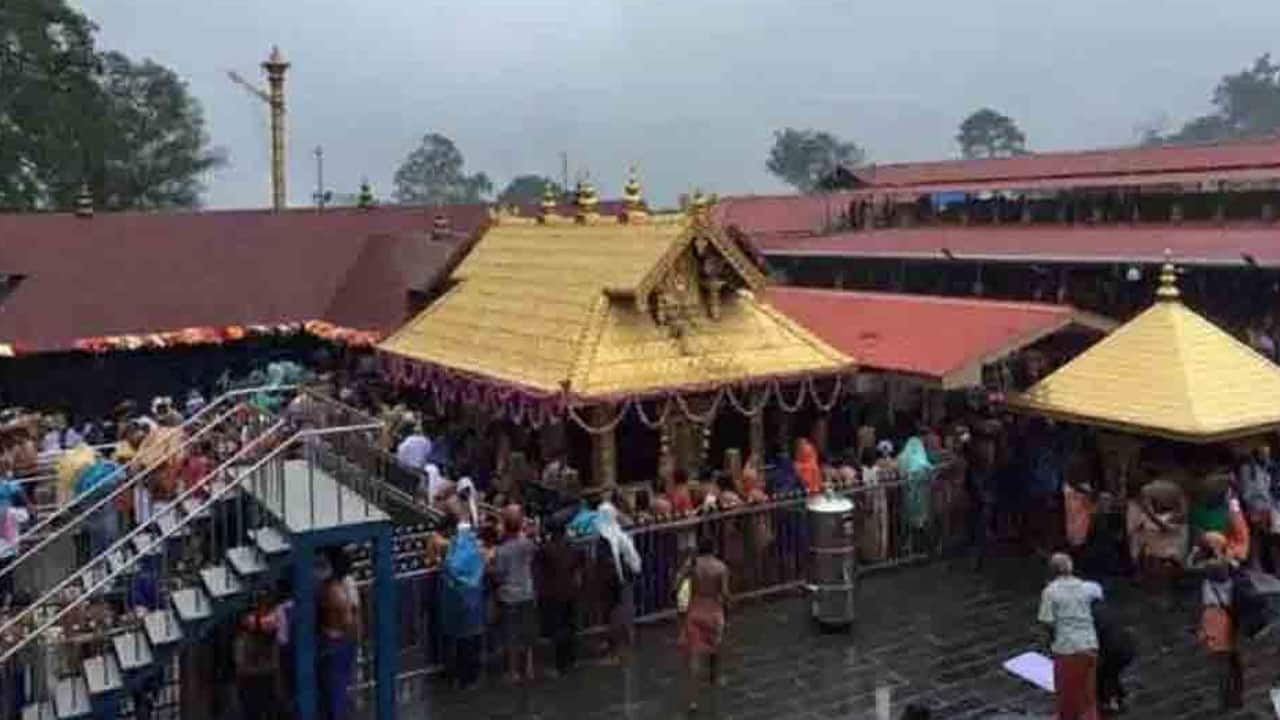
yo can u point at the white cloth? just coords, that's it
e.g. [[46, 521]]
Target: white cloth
[[413, 451], [624, 550], [1066, 604], [11, 520], [467, 491], [435, 481]]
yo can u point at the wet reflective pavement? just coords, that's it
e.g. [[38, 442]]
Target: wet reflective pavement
[[935, 635]]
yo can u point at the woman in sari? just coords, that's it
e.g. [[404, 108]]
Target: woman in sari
[[462, 605], [807, 466]]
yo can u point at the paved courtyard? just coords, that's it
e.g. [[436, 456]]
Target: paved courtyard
[[934, 634]]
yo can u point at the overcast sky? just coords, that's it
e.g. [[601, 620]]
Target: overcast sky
[[689, 90]]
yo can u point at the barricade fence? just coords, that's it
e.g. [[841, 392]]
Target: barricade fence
[[765, 545]]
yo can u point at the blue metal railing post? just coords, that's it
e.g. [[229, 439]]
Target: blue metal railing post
[[385, 606], [304, 627]]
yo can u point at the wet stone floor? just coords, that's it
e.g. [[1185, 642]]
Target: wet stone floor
[[934, 634]]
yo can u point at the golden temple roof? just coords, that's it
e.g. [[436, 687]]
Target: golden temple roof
[[1168, 372], [610, 306]]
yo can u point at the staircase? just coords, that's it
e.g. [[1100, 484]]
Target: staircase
[[44, 546], [199, 560]]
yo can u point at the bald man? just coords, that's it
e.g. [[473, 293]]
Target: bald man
[[1066, 607]]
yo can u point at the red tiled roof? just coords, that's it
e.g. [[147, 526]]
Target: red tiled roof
[[946, 340], [782, 215], [1189, 244], [129, 273], [1062, 166]]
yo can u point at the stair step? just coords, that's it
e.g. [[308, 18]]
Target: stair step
[[39, 711], [192, 605], [102, 672], [191, 508], [95, 574], [167, 524], [71, 698], [245, 560], [132, 650], [270, 541], [162, 628], [220, 582], [143, 540], [119, 560]]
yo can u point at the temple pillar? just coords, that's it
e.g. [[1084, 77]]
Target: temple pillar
[[604, 449], [782, 437], [821, 434], [756, 436]]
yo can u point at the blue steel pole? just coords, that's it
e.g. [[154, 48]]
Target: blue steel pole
[[304, 626], [385, 607]]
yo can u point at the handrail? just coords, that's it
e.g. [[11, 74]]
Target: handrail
[[187, 442], [74, 523], [115, 474], [131, 482], [238, 480], [139, 530]]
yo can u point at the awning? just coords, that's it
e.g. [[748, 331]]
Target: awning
[[943, 341], [1168, 373]]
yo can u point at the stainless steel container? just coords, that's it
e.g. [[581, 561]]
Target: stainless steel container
[[832, 557]]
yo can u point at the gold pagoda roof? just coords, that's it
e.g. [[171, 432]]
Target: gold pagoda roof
[[1169, 373], [606, 306]]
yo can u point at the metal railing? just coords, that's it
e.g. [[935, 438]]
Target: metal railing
[[27, 625], [196, 421], [765, 545]]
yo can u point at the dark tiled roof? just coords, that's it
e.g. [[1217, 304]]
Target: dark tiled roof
[[127, 273]]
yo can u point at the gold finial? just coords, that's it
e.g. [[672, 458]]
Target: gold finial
[[84, 201], [631, 191], [633, 200], [548, 202], [587, 202], [698, 203], [1168, 289], [365, 199]]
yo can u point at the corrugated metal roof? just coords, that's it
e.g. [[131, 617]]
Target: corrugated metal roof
[[1061, 166], [945, 340], [137, 273], [1202, 244]]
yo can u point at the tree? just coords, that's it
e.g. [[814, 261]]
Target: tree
[[527, 189], [47, 66], [153, 148], [988, 134], [1246, 104], [803, 158], [70, 115], [432, 174]]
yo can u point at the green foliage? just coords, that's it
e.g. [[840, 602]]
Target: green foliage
[[71, 115], [987, 133], [527, 189], [804, 158], [153, 148], [432, 174], [1246, 104]]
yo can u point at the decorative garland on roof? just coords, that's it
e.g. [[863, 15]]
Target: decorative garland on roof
[[662, 419], [524, 406], [742, 407], [217, 335]]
